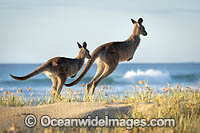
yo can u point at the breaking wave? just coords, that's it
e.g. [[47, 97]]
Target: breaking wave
[[150, 74]]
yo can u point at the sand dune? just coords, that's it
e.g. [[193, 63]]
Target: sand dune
[[13, 117]]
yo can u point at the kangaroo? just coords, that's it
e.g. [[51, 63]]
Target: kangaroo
[[59, 68], [109, 55]]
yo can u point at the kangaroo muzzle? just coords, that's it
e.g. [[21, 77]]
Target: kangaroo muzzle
[[144, 33]]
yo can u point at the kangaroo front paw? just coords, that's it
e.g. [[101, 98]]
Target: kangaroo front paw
[[73, 76], [130, 59]]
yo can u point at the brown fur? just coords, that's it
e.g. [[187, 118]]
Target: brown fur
[[109, 55], [59, 68]]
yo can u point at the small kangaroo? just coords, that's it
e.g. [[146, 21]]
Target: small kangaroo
[[59, 68], [109, 55]]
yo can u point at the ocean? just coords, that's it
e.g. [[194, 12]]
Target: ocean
[[123, 79]]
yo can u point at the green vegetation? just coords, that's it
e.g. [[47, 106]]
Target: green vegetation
[[181, 103]]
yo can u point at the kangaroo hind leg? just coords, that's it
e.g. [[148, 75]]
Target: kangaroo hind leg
[[100, 69], [107, 71], [61, 81], [54, 83]]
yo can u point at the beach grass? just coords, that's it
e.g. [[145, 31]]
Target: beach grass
[[180, 103]]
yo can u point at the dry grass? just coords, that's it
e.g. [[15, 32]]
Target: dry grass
[[180, 103]]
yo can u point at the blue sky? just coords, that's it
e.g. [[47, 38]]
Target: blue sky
[[33, 31]]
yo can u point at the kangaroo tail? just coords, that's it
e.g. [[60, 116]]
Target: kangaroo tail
[[94, 55], [35, 72]]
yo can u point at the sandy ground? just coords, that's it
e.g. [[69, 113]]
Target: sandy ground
[[13, 117]]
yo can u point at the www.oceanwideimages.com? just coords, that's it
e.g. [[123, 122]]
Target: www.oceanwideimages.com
[[47, 121]]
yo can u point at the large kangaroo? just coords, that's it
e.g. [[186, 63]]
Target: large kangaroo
[[109, 55], [59, 68]]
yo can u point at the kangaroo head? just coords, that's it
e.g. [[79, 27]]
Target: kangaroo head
[[84, 52], [139, 28]]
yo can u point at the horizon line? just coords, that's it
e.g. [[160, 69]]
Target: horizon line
[[189, 62]]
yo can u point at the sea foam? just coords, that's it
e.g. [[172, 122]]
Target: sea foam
[[150, 75]]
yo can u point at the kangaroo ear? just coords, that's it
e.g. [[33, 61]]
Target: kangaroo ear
[[133, 21], [84, 45], [140, 20], [79, 45]]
